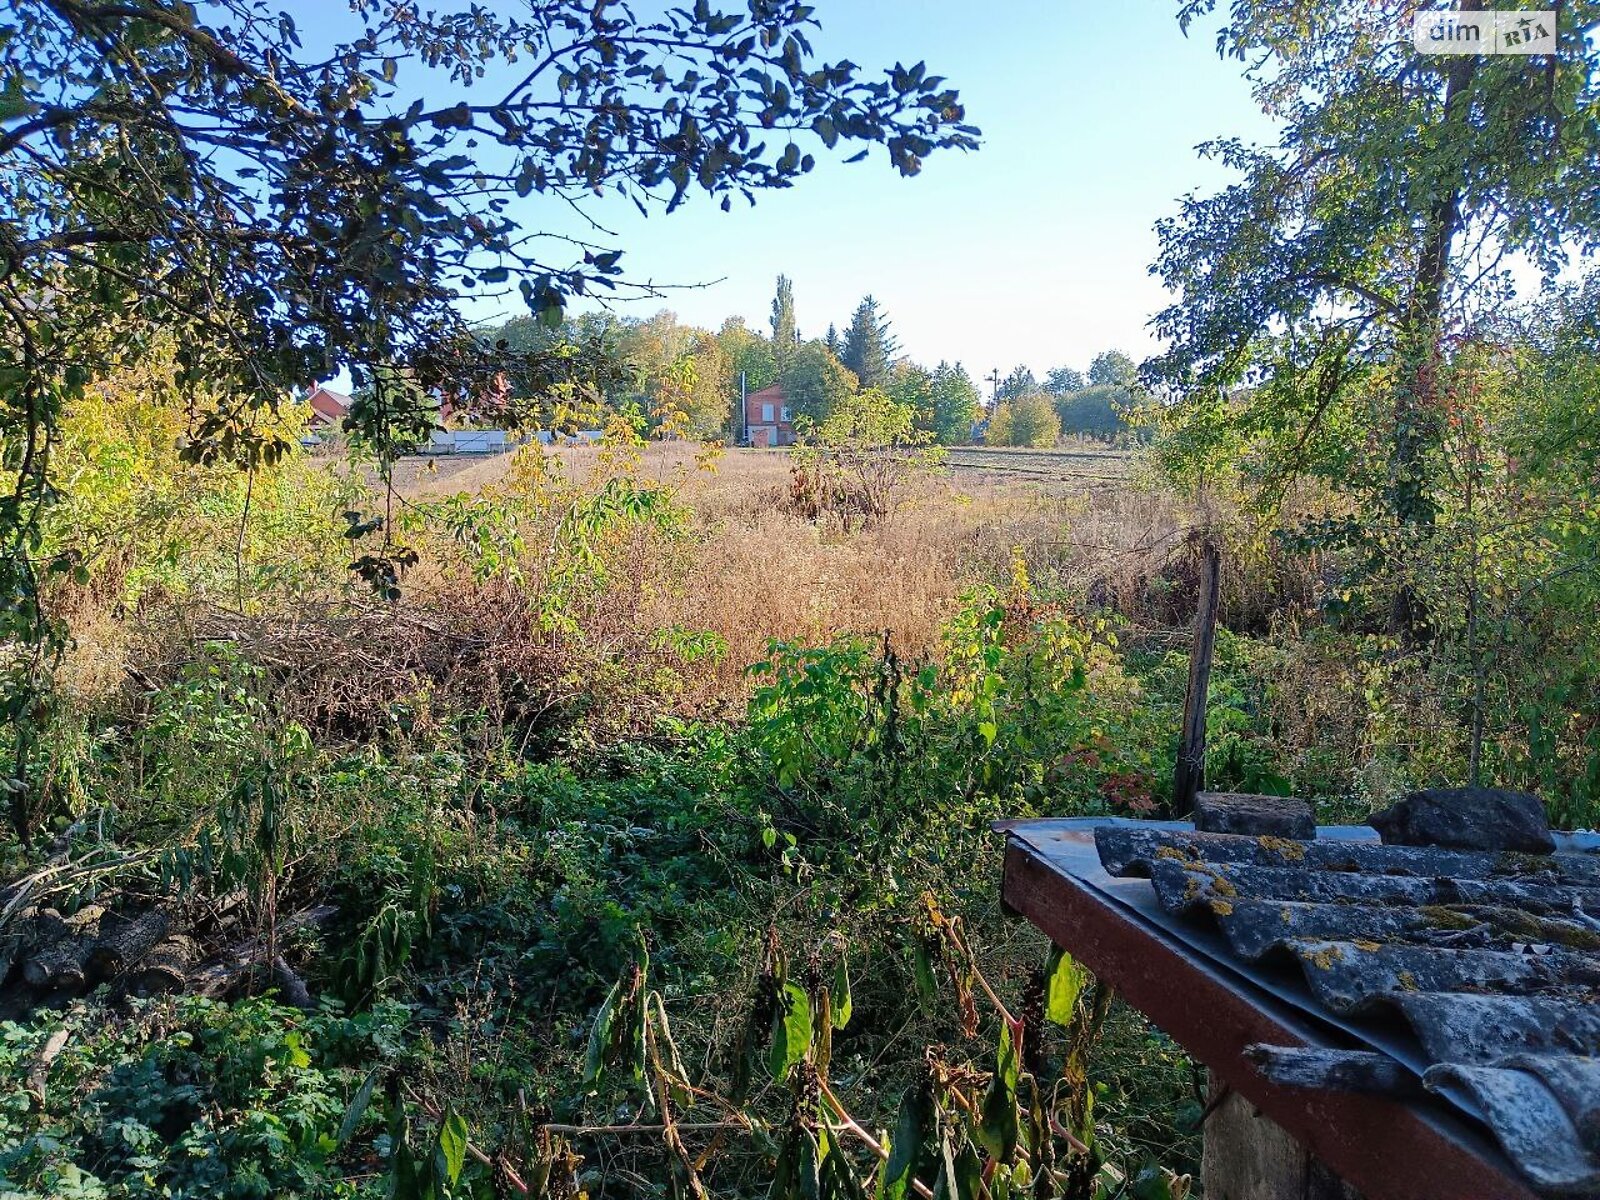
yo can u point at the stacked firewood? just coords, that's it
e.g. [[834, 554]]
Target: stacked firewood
[[47, 958]]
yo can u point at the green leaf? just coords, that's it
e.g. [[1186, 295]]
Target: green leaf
[[14, 102], [452, 1152], [960, 1173], [358, 1106], [842, 1005], [791, 1030], [600, 1035], [405, 1180], [1064, 984], [911, 1147], [837, 1176], [997, 1128], [947, 1185]]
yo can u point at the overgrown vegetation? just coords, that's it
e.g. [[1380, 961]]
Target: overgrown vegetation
[[616, 819]]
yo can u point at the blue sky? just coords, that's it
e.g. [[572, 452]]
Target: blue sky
[[1031, 250]]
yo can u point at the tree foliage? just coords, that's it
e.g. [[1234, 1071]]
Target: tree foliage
[[1028, 420], [1375, 230], [1016, 385], [1100, 411], [1111, 368], [851, 464], [956, 404], [817, 383], [1061, 380], [785, 335]]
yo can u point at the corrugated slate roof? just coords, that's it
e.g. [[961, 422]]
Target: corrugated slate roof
[[1491, 959]]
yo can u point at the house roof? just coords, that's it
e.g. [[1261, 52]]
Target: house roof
[[339, 398], [1475, 975], [773, 391]]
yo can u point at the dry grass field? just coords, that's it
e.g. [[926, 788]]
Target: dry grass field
[[752, 572]]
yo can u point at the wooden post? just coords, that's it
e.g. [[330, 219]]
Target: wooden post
[[1190, 774], [1248, 1157]]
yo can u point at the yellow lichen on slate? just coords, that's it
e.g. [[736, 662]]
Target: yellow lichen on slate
[[1324, 958], [1285, 848]]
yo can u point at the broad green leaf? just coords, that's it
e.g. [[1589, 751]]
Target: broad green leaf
[[960, 1174], [358, 1106], [911, 1148], [837, 1176], [791, 1030], [600, 1034], [969, 1173], [405, 1181], [1064, 984], [14, 102], [297, 1053], [842, 1003], [452, 1153], [1151, 1182], [810, 1173], [997, 1128]]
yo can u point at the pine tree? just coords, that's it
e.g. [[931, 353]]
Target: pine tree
[[832, 340], [868, 345], [785, 335]]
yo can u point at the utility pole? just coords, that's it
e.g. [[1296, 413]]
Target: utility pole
[[742, 422], [993, 380]]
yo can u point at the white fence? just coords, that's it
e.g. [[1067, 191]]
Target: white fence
[[469, 441]]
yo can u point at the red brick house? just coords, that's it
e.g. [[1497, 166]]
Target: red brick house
[[766, 418], [328, 407]]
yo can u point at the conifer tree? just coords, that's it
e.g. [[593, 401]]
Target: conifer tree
[[868, 344]]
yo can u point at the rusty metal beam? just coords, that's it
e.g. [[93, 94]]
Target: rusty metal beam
[[1388, 1149]]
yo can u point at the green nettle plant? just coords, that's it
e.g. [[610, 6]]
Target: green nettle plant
[[1028, 708]]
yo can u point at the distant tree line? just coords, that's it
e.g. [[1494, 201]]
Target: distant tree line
[[669, 376], [1069, 403]]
